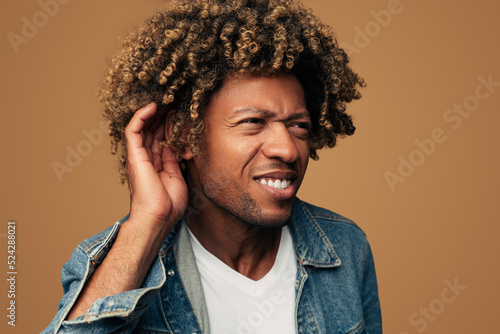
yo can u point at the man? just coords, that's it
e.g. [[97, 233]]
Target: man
[[215, 108]]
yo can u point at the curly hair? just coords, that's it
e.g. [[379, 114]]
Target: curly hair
[[180, 57]]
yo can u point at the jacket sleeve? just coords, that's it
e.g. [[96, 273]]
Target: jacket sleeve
[[371, 303], [108, 314]]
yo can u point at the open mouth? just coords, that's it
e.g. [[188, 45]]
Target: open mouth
[[275, 183]]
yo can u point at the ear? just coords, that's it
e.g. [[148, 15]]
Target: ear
[[187, 154]]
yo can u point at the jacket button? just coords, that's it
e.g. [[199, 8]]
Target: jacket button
[[171, 272]]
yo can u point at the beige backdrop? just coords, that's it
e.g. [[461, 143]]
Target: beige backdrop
[[420, 175]]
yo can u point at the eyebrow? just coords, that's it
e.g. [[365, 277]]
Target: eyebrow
[[267, 113]]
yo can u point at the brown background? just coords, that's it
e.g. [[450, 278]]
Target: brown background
[[440, 224]]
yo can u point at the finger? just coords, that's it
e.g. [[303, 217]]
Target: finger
[[155, 148], [151, 129], [170, 164], [133, 131], [158, 137]]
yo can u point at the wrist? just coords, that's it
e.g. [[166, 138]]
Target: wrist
[[147, 222], [145, 230]]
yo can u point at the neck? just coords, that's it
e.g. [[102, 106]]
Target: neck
[[250, 250]]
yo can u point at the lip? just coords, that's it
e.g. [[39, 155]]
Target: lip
[[277, 194], [282, 175]]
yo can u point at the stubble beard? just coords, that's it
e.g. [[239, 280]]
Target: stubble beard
[[215, 185], [239, 204]]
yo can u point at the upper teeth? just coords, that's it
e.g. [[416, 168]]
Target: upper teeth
[[276, 184]]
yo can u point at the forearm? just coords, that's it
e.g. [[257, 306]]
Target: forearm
[[125, 266], [158, 198]]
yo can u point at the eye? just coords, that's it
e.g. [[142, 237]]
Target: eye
[[300, 129], [302, 125], [252, 121]]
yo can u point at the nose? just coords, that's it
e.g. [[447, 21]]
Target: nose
[[280, 144]]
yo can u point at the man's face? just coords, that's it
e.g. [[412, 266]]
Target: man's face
[[254, 149]]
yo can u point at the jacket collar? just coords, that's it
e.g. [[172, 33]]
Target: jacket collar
[[312, 246], [311, 243]]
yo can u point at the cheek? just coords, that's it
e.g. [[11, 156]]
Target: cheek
[[302, 147], [238, 150], [228, 157], [304, 150]]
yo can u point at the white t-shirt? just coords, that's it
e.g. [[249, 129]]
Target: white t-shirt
[[239, 305]]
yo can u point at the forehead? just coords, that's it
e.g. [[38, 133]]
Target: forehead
[[279, 94]]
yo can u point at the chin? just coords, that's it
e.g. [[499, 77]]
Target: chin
[[261, 219]]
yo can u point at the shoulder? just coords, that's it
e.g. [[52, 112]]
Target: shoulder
[[340, 231], [327, 218], [322, 213]]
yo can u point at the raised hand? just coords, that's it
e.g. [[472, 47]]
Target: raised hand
[[158, 198], [158, 192]]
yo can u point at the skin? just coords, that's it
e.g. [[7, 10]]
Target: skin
[[158, 198], [255, 128]]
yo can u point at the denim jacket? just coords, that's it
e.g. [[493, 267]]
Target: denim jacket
[[336, 287]]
